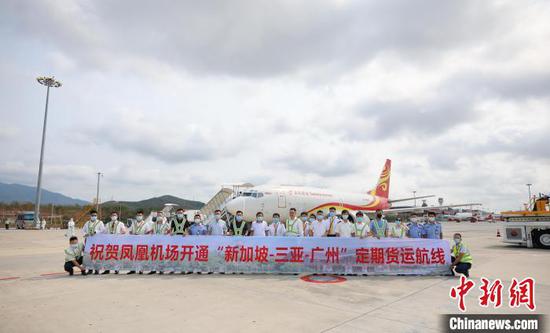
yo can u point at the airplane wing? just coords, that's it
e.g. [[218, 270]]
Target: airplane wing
[[427, 208], [412, 198]]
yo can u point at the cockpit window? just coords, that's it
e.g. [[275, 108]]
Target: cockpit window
[[253, 194]]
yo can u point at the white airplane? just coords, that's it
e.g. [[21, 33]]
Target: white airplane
[[279, 199]]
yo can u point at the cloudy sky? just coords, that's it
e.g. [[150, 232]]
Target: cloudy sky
[[179, 97]]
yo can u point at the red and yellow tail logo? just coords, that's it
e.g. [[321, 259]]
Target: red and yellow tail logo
[[382, 189]]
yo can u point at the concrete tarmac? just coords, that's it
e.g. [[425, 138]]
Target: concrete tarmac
[[37, 297]]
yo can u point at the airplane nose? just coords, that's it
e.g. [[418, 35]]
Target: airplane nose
[[234, 205]]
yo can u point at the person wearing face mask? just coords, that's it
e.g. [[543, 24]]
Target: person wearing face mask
[[114, 227], [276, 228], [332, 221], [140, 227], [308, 231], [319, 227], [461, 259], [432, 229], [345, 228], [217, 227], [303, 218], [179, 224], [73, 256], [91, 227], [361, 227], [259, 226], [293, 225], [398, 229], [238, 227], [379, 226], [416, 230], [159, 226], [197, 228]]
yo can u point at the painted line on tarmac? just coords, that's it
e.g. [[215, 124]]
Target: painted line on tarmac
[[316, 278], [9, 278], [52, 274]]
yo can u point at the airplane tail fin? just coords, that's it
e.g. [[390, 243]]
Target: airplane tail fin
[[382, 188]]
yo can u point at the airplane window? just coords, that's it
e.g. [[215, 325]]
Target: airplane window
[[260, 195]]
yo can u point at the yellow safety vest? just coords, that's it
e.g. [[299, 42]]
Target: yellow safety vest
[[466, 258]]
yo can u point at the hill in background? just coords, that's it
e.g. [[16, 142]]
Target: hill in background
[[10, 193], [152, 204]]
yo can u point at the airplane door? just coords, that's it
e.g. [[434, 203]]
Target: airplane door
[[282, 200]]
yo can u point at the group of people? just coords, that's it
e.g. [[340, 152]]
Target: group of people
[[302, 225]]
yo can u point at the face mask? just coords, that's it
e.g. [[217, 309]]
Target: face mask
[[397, 222], [218, 216], [331, 214], [320, 217], [360, 219], [431, 219], [93, 218], [345, 216], [74, 246], [238, 218], [139, 218], [197, 221], [276, 220], [303, 218], [311, 219], [457, 240], [259, 218], [179, 216], [114, 218], [414, 219]]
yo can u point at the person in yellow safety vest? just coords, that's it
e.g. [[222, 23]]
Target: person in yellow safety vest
[[398, 229], [379, 226], [332, 222], [73, 256], [460, 257], [293, 224], [140, 227], [361, 228], [115, 227], [91, 227], [238, 227]]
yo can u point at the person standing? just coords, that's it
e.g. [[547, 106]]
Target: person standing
[[259, 226], [43, 224], [308, 231], [217, 227], [179, 224], [276, 228], [7, 224], [416, 229], [432, 229], [70, 228], [73, 256], [197, 228], [319, 227], [92, 227], [140, 227], [379, 226], [361, 227], [238, 227], [398, 229], [345, 228], [332, 222], [293, 225], [114, 227]]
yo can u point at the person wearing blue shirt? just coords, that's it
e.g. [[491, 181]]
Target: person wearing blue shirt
[[432, 229], [379, 226], [415, 229], [197, 228]]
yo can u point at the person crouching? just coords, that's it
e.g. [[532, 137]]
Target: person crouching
[[73, 256]]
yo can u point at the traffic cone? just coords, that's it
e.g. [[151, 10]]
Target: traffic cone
[[498, 233]]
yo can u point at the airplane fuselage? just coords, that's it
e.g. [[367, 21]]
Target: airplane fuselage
[[279, 199]]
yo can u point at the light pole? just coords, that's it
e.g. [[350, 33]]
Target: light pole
[[99, 174], [414, 196], [49, 82], [529, 189]]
